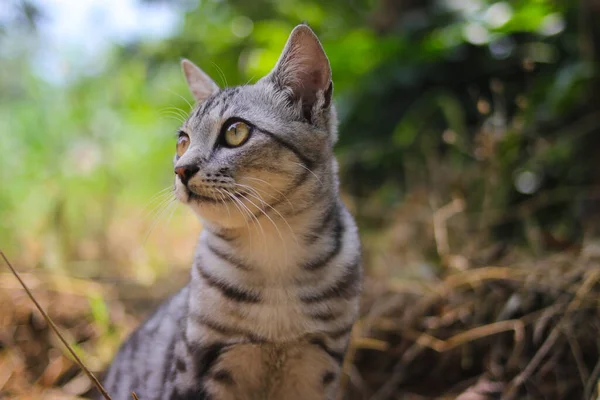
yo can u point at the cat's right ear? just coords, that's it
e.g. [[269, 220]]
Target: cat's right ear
[[199, 83], [303, 68]]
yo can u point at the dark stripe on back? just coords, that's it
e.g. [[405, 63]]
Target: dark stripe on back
[[322, 261], [134, 342], [337, 356], [231, 292], [347, 286], [180, 365], [228, 258], [167, 364], [305, 160]]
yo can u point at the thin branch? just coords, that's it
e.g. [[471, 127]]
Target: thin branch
[[55, 329]]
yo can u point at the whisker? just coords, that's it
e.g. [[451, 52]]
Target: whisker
[[222, 75], [174, 112], [173, 209], [179, 114], [150, 210], [270, 219], [173, 115], [253, 218], [183, 98], [164, 207], [160, 194], [175, 109], [276, 227], [168, 190], [275, 189], [309, 170], [223, 200], [243, 211], [261, 210], [257, 196], [177, 119]]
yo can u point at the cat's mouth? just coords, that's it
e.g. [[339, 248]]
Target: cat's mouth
[[212, 196], [201, 197]]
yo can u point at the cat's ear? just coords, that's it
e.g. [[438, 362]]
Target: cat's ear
[[303, 68], [199, 83]]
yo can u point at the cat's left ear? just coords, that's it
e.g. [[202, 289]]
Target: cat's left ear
[[303, 69], [199, 83]]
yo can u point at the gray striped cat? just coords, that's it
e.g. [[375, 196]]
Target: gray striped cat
[[276, 277]]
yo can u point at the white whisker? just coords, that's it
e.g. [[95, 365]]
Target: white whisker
[[252, 192], [165, 206], [238, 207], [222, 199], [150, 210], [283, 196], [183, 98], [174, 115], [221, 74], [309, 170], [270, 219], [254, 220], [252, 216]]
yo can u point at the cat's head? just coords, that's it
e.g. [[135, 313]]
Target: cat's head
[[247, 148]]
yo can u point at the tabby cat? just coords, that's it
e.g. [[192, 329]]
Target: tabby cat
[[276, 276]]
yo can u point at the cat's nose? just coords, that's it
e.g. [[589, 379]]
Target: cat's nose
[[186, 172]]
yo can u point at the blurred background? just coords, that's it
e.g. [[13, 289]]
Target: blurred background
[[469, 147]]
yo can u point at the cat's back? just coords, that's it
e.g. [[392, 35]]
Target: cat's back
[[144, 361]]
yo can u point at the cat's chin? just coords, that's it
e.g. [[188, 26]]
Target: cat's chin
[[213, 211], [216, 211], [218, 216], [189, 197]]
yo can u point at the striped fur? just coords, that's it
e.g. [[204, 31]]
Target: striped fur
[[276, 277]]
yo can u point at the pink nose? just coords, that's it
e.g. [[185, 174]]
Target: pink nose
[[186, 172]]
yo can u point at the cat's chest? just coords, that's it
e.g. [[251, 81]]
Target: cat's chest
[[278, 317]]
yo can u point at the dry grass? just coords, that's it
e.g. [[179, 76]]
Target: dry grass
[[528, 330], [524, 331], [42, 352]]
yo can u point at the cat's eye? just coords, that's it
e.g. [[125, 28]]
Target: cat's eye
[[183, 142], [236, 134]]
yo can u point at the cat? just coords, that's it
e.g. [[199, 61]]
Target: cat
[[276, 277]]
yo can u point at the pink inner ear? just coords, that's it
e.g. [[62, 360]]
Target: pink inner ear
[[308, 83], [303, 66], [317, 79]]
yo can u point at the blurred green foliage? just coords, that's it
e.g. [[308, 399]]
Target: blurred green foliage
[[487, 100]]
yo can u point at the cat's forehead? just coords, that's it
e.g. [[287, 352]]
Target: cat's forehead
[[251, 102]]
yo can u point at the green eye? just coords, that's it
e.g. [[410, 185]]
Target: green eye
[[236, 134]]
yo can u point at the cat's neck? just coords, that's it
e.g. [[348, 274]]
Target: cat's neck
[[275, 244]]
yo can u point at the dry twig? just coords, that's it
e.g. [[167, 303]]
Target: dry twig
[[56, 331]]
